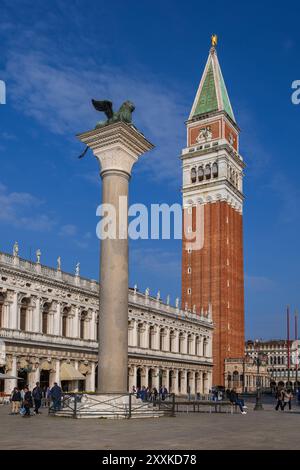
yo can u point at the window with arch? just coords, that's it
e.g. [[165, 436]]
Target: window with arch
[[162, 334], [200, 173], [190, 344], [64, 326], [215, 170], [140, 330], [151, 336], [181, 343], [24, 314], [45, 317], [193, 175], [205, 347], [235, 377], [82, 332], [172, 340], [198, 346], [207, 172]]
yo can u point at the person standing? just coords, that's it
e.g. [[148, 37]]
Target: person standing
[[143, 394], [48, 397], [287, 399], [37, 394], [27, 402], [164, 393], [154, 394], [56, 394], [298, 396], [15, 401], [280, 399]]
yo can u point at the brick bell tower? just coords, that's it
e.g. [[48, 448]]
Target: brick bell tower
[[212, 273]]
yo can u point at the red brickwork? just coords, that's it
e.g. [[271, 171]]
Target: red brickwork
[[217, 277]]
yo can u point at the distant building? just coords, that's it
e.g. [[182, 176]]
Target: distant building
[[276, 352], [241, 374]]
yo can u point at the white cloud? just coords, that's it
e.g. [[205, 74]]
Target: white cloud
[[288, 196], [58, 97], [20, 210], [7, 136], [68, 230], [158, 261], [259, 283]]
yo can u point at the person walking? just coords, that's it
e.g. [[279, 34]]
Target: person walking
[[48, 397], [15, 401], [287, 399], [154, 394], [143, 393], [298, 396], [280, 399], [27, 402], [235, 400], [164, 393], [37, 395], [56, 394]]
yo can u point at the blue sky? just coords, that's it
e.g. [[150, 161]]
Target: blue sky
[[56, 55]]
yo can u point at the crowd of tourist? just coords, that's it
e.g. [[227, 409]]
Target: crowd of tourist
[[27, 403], [150, 394]]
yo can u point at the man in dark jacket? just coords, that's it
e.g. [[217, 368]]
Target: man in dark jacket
[[37, 394], [27, 402], [280, 399], [234, 399], [56, 394]]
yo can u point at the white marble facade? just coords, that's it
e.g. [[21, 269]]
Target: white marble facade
[[49, 322]]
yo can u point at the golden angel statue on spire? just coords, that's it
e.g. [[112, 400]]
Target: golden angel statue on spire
[[214, 40]]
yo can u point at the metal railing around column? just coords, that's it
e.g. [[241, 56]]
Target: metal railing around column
[[122, 405]]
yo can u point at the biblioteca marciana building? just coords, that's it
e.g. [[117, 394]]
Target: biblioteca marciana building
[[49, 329]]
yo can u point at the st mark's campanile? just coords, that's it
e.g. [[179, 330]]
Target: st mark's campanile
[[212, 272]]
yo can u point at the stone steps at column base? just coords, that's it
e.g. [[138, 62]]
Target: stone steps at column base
[[99, 414]]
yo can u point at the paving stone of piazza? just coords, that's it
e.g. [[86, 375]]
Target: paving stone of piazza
[[266, 429]]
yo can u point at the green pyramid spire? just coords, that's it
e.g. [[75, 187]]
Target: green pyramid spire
[[212, 93], [208, 97]]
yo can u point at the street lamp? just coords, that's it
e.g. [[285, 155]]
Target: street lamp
[[258, 361]]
